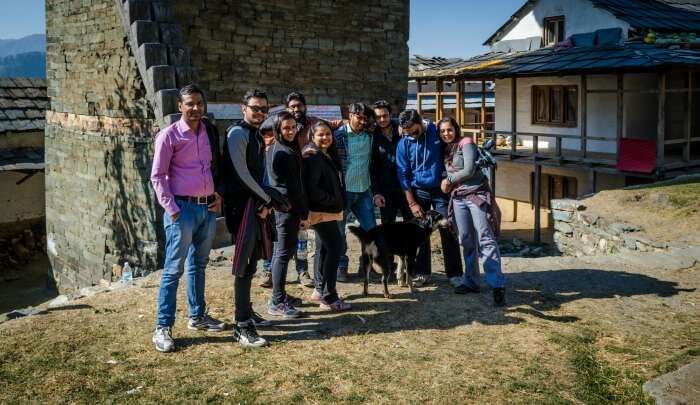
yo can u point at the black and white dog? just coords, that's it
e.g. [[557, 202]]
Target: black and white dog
[[383, 242]]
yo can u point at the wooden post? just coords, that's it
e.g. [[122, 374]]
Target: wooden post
[[661, 124], [438, 100], [513, 116], [688, 118], [482, 114], [460, 102], [537, 193], [584, 115], [620, 113], [592, 179]]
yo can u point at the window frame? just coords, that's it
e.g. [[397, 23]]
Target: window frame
[[549, 91], [545, 34]]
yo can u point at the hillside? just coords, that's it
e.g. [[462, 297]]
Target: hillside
[[29, 64], [31, 43]]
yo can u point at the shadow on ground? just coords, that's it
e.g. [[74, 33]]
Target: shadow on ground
[[530, 293]]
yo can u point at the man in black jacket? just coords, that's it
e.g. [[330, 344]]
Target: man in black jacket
[[386, 190], [244, 168]]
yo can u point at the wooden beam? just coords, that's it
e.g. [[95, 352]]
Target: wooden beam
[[460, 102], [620, 112], [482, 114], [537, 192], [661, 122], [688, 119], [584, 114], [592, 180], [513, 115]]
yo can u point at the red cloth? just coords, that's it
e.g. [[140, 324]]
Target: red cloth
[[637, 155]]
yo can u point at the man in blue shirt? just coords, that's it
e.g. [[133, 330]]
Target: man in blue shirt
[[420, 168], [354, 145]]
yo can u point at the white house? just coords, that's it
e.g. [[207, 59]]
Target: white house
[[589, 95]]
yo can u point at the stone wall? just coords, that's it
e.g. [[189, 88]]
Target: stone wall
[[579, 232], [335, 52], [112, 69], [100, 207]]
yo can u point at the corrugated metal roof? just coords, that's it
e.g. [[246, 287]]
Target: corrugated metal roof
[[662, 15], [23, 104], [550, 61]]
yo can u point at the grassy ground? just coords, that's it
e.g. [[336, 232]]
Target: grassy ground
[[674, 203], [570, 334]]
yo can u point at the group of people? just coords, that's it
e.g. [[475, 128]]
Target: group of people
[[278, 176]]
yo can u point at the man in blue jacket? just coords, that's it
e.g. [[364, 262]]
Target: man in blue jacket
[[420, 168]]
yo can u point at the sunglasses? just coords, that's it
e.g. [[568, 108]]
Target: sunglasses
[[257, 109]]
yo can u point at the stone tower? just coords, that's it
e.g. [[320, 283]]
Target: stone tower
[[114, 67]]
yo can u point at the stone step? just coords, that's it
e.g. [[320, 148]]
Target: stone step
[[152, 54], [166, 101]]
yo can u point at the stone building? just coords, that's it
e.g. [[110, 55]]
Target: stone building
[[22, 105], [113, 68]]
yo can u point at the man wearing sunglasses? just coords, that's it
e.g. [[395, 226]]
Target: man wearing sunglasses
[[244, 169], [419, 165]]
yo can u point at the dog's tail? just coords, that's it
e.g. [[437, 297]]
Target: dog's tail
[[360, 233]]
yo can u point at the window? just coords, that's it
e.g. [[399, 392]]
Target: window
[[555, 105], [553, 30]]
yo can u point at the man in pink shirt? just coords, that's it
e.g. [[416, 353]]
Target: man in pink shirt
[[185, 176]]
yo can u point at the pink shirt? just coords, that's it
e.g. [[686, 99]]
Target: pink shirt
[[181, 165]]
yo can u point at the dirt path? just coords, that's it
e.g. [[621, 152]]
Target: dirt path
[[574, 331]]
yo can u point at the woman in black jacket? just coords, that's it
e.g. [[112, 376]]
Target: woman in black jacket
[[283, 166], [326, 203]]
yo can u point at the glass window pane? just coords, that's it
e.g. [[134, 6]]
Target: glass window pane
[[449, 106], [571, 105], [428, 106]]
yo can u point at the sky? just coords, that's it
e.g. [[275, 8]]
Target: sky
[[20, 18], [456, 28], [449, 28]]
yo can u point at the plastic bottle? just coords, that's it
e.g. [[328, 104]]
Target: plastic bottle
[[127, 275]]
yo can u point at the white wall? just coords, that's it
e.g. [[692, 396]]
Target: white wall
[[640, 110], [21, 202], [580, 17]]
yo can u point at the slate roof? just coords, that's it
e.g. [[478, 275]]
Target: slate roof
[[23, 104], [550, 61], [660, 15], [28, 159]]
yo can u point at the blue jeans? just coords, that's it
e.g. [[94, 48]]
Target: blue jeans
[[188, 240], [362, 206], [477, 239]]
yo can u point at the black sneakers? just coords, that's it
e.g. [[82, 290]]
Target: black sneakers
[[247, 336], [464, 289]]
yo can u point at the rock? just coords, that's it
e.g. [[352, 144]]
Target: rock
[[518, 243], [567, 205], [565, 216], [588, 218], [641, 246], [622, 227], [630, 242], [116, 272], [603, 245], [564, 228], [59, 301], [90, 291], [678, 387]]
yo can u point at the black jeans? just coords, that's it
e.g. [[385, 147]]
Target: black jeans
[[395, 202], [436, 199], [241, 292], [287, 225], [329, 244]]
